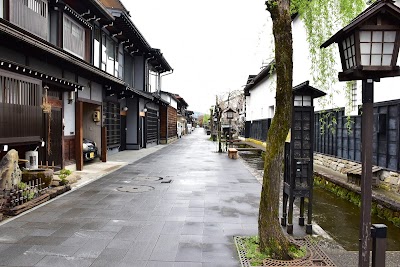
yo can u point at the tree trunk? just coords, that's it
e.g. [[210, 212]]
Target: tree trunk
[[269, 229]]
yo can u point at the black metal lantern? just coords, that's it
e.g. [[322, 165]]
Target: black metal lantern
[[298, 174], [369, 45], [230, 113]]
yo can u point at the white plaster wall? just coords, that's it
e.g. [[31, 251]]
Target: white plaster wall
[[86, 92], [172, 102], [262, 96], [97, 92], [69, 116], [166, 97]]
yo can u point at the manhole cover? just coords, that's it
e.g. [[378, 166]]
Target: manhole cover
[[135, 189], [149, 178]]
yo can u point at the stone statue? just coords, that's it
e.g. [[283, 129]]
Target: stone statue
[[10, 173]]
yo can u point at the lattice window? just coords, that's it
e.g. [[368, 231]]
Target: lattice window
[[112, 120], [74, 37], [31, 15]]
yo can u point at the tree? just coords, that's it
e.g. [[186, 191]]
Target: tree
[[269, 230], [205, 119], [232, 99]]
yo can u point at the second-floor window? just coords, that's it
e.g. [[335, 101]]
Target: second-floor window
[[74, 37], [153, 81], [108, 54], [96, 47], [30, 15]]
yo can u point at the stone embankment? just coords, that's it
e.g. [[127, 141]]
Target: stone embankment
[[388, 180]]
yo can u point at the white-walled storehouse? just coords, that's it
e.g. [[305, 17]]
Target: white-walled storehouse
[[340, 113]]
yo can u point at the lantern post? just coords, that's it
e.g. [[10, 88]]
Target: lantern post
[[368, 48]]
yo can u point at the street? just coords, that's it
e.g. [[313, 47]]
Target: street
[[131, 217]]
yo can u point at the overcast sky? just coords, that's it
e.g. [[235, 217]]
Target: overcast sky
[[212, 45]]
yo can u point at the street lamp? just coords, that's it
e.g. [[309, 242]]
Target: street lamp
[[229, 115], [368, 48]]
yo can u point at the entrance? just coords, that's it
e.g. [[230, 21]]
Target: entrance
[[54, 132]]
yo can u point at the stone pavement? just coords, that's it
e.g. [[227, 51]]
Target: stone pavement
[[190, 221]]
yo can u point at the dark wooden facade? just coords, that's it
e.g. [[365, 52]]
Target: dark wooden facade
[[168, 122], [343, 138], [257, 129]]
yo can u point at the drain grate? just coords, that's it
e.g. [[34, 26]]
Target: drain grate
[[135, 189], [147, 178], [315, 257]]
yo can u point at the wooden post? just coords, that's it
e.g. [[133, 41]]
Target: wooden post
[[104, 144], [79, 135]]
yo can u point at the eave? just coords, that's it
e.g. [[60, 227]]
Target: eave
[[54, 54], [125, 31], [48, 78], [264, 73]]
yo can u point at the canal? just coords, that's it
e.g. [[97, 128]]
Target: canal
[[338, 217]]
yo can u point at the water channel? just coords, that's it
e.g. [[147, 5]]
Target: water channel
[[338, 217]]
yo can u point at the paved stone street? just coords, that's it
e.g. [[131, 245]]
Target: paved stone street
[[190, 221]]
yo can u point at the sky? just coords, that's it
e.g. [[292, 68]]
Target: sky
[[212, 45]]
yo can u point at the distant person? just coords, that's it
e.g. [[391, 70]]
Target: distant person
[[179, 131]]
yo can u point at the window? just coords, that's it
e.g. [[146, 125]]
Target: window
[[153, 81], [21, 116], [103, 52], [120, 68], [29, 14], [108, 53], [74, 38], [1, 8], [112, 122], [354, 96], [271, 112], [18, 92], [96, 47], [302, 100]]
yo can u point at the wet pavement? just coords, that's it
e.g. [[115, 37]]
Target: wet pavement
[[131, 217], [171, 205]]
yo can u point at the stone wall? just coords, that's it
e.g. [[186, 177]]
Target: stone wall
[[388, 180]]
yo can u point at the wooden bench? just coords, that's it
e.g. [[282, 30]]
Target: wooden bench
[[232, 153], [354, 175]]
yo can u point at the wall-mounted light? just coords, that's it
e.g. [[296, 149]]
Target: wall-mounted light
[[42, 143], [5, 147], [125, 109], [71, 95], [145, 110]]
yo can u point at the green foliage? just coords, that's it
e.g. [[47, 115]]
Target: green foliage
[[22, 185], [297, 252], [206, 118], [65, 171], [253, 253], [322, 18], [256, 258], [29, 194], [63, 176]]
